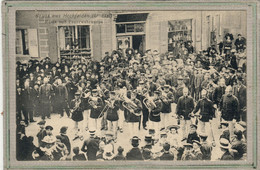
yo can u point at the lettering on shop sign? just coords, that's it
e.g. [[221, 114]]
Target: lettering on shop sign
[[72, 22], [73, 16]]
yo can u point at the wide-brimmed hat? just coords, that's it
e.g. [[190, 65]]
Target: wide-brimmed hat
[[203, 135], [109, 133], [187, 145], [224, 143], [148, 138], [173, 126], [42, 122], [92, 131]]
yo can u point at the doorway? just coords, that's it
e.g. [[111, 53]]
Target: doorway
[[138, 43]]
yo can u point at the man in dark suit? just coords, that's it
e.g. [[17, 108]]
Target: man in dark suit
[[28, 102], [219, 91], [240, 93], [45, 93], [166, 154], [61, 97], [19, 104], [135, 152], [224, 146], [91, 146]]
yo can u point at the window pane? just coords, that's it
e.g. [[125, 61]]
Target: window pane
[[18, 42], [120, 28], [83, 36], [130, 28], [139, 27]]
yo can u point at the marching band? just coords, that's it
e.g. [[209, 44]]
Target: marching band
[[152, 93]]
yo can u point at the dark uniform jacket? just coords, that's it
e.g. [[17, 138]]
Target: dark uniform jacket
[[227, 156], [91, 146], [206, 150], [119, 157], [79, 157], [132, 117], [197, 155], [45, 93], [192, 136], [40, 135], [77, 111], [240, 147], [167, 156], [28, 97], [218, 93], [240, 93], [95, 112], [206, 109], [166, 101], [229, 107], [155, 112], [134, 154], [112, 113], [185, 106], [65, 139]]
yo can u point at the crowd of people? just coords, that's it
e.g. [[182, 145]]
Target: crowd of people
[[142, 91]]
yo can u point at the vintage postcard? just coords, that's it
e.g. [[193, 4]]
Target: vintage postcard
[[130, 85]]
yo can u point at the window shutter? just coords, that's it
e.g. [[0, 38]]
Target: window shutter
[[96, 42], [52, 42], [163, 36], [33, 43]]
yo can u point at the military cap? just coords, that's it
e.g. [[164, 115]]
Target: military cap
[[49, 127]]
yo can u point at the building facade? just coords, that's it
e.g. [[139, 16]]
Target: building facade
[[77, 34]]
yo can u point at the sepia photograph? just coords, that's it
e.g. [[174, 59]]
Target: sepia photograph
[[131, 85]]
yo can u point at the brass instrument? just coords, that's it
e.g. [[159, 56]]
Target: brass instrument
[[110, 103], [77, 105], [149, 103], [93, 102], [130, 106]]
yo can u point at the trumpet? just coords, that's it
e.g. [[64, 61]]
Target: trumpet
[[110, 103]]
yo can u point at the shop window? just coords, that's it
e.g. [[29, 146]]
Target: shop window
[[179, 31], [74, 41], [74, 37], [130, 28], [22, 47]]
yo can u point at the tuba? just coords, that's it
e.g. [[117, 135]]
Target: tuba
[[149, 103]]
